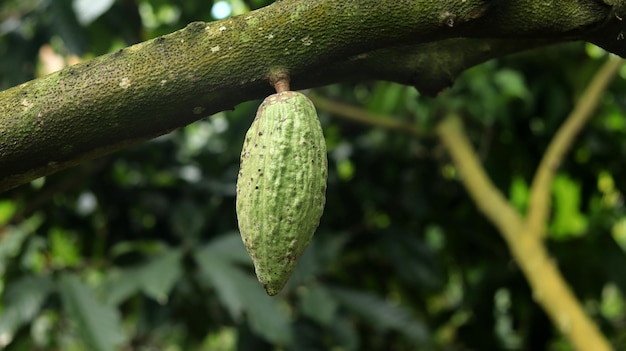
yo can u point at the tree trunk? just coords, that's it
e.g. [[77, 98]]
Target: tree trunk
[[149, 89]]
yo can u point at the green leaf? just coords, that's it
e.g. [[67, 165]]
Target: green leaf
[[307, 268], [345, 169], [568, 220], [241, 293], [519, 193], [318, 304], [155, 278], [98, 323], [328, 248], [12, 238], [160, 274], [223, 277], [382, 314], [344, 330], [321, 253], [65, 25], [618, 231], [143, 247], [511, 83], [22, 300], [386, 97], [119, 285], [7, 209], [230, 247], [265, 315], [64, 248], [187, 219], [614, 119]]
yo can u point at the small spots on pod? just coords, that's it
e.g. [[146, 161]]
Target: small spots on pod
[[125, 83]]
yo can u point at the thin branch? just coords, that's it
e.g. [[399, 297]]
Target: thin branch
[[540, 200], [549, 288], [486, 196], [363, 116]]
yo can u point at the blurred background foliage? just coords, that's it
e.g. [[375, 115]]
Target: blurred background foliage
[[139, 250]]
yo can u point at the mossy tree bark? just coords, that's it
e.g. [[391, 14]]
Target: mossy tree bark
[[151, 88]]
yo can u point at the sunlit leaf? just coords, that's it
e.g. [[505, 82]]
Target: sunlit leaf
[[7, 209], [89, 10], [614, 120], [386, 98], [64, 248], [239, 7], [519, 193], [612, 303], [618, 232], [98, 323], [511, 83], [345, 169], [568, 220]]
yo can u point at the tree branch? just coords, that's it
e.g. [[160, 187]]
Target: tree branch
[[486, 196], [149, 89], [540, 193], [363, 116], [548, 286]]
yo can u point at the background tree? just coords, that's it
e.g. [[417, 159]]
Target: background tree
[[140, 248]]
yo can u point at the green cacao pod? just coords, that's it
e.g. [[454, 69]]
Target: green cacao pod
[[281, 186]]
